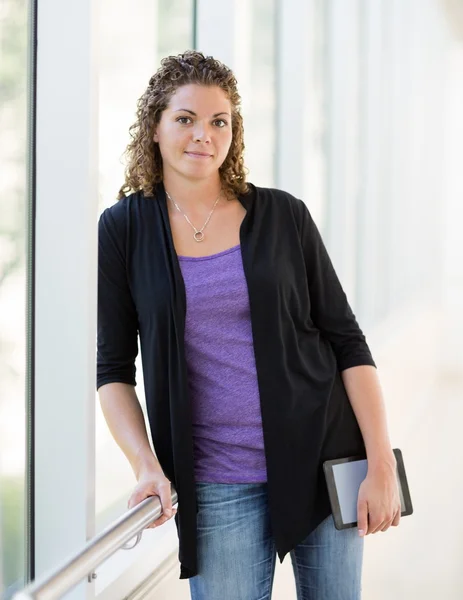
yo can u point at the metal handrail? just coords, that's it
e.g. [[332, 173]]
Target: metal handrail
[[56, 583]]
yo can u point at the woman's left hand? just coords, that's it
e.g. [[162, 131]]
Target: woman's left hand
[[378, 505]]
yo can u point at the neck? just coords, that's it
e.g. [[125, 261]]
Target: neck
[[193, 195]]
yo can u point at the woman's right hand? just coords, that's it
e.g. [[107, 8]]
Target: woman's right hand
[[154, 483]]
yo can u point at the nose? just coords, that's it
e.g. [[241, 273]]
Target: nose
[[201, 133]]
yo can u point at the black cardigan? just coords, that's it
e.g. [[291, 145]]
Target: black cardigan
[[304, 334]]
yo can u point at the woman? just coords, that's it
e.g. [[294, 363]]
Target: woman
[[255, 368]]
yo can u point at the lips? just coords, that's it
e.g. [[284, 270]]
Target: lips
[[199, 154]]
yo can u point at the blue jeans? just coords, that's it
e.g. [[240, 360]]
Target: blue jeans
[[236, 551]]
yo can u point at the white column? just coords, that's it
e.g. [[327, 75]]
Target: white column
[[293, 39], [451, 350], [314, 160], [343, 145], [401, 107], [223, 31], [65, 280], [370, 156]]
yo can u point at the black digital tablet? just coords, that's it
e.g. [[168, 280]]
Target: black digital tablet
[[343, 478]]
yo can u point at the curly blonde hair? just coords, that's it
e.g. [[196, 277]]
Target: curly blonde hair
[[143, 157]]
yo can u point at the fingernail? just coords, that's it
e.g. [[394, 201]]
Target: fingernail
[[168, 513], [361, 532]]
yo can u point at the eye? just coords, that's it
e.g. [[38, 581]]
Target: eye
[[183, 119], [223, 123]]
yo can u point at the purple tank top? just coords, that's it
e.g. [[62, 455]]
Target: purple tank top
[[227, 422]]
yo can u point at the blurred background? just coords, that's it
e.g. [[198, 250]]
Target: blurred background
[[355, 106]]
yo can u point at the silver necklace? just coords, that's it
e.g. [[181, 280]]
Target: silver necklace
[[198, 234]]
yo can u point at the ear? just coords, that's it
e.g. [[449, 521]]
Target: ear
[[155, 136]]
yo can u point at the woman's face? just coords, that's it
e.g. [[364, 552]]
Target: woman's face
[[195, 132]]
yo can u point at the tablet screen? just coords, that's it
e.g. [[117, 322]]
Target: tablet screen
[[347, 479]]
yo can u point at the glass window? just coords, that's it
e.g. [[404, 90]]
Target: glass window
[[13, 292], [315, 172], [132, 40], [256, 74], [175, 27]]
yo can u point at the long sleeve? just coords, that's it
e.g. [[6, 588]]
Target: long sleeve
[[117, 343], [330, 309]]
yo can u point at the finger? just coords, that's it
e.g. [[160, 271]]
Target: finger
[[166, 499], [134, 500], [162, 519], [156, 523], [377, 524], [387, 525], [362, 518], [396, 519]]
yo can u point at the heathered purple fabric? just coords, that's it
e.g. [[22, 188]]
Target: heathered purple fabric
[[227, 421]]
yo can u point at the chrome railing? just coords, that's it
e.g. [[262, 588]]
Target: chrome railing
[[62, 579]]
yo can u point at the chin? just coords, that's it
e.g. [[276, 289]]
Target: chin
[[200, 173]]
